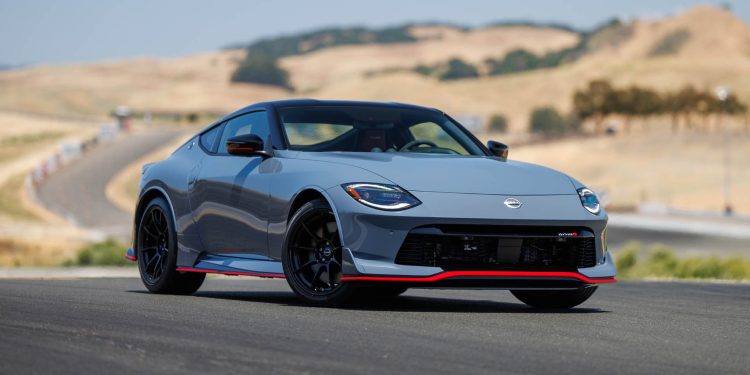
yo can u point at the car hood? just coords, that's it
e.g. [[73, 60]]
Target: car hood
[[454, 174]]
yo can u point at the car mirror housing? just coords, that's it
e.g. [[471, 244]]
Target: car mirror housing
[[246, 145], [498, 149]]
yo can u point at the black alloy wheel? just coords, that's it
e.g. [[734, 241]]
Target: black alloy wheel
[[313, 255], [156, 249], [154, 243]]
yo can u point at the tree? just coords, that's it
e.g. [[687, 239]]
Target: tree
[[635, 101], [596, 102], [262, 69], [458, 69], [518, 60], [498, 123], [731, 106], [546, 121]]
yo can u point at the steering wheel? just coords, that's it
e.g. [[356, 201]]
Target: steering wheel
[[416, 142]]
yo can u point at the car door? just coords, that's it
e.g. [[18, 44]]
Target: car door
[[229, 196]]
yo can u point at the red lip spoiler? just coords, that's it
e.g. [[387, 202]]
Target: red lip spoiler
[[505, 274]]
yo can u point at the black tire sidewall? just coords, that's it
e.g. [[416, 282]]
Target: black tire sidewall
[[168, 278], [344, 291]]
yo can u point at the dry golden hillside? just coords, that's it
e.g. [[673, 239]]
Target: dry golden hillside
[[202, 82], [713, 48], [193, 83], [326, 67], [717, 52]]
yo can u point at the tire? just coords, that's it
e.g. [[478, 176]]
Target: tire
[[554, 299], [312, 248], [156, 249]]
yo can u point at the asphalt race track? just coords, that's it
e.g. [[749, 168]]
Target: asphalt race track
[[77, 192], [248, 325]]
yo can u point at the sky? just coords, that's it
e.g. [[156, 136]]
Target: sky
[[52, 31]]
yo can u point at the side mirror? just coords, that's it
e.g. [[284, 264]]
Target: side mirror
[[246, 145], [498, 149]]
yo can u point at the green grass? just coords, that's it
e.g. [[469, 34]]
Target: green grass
[[106, 253], [660, 262]]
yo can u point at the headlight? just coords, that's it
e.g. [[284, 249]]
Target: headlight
[[589, 201], [383, 197]]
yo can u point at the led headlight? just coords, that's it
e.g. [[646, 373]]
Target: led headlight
[[589, 201], [382, 197]]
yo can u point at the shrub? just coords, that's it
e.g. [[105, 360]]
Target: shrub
[[671, 43], [514, 61], [458, 69], [661, 262], [107, 253], [311, 41], [627, 257], [425, 70], [498, 123], [548, 122]]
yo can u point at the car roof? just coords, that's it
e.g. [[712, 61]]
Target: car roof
[[316, 102]]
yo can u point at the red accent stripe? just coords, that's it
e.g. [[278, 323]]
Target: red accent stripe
[[130, 257], [450, 274], [231, 273]]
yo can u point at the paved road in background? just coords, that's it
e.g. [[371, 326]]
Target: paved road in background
[[77, 192], [257, 326], [691, 243]]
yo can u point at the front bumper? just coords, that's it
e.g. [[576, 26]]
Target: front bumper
[[373, 238]]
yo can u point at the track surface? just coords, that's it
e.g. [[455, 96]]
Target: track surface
[[257, 326], [77, 192]]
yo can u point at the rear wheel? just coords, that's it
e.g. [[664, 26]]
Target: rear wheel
[[156, 248], [312, 257], [554, 299]]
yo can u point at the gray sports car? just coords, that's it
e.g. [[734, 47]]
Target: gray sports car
[[357, 199]]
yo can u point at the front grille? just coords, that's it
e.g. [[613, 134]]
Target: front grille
[[510, 249]]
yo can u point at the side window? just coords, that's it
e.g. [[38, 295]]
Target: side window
[[208, 139], [251, 123]]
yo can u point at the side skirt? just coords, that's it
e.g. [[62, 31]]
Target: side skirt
[[232, 273], [236, 265]]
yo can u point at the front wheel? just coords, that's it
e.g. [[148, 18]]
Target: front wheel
[[156, 248], [554, 299], [312, 257]]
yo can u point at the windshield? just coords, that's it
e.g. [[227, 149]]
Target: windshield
[[374, 129]]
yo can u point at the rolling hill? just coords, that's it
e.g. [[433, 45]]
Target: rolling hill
[[704, 46]]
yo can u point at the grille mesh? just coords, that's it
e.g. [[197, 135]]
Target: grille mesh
[[482, 252]]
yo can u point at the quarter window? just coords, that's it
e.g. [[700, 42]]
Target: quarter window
[[208, 139]]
